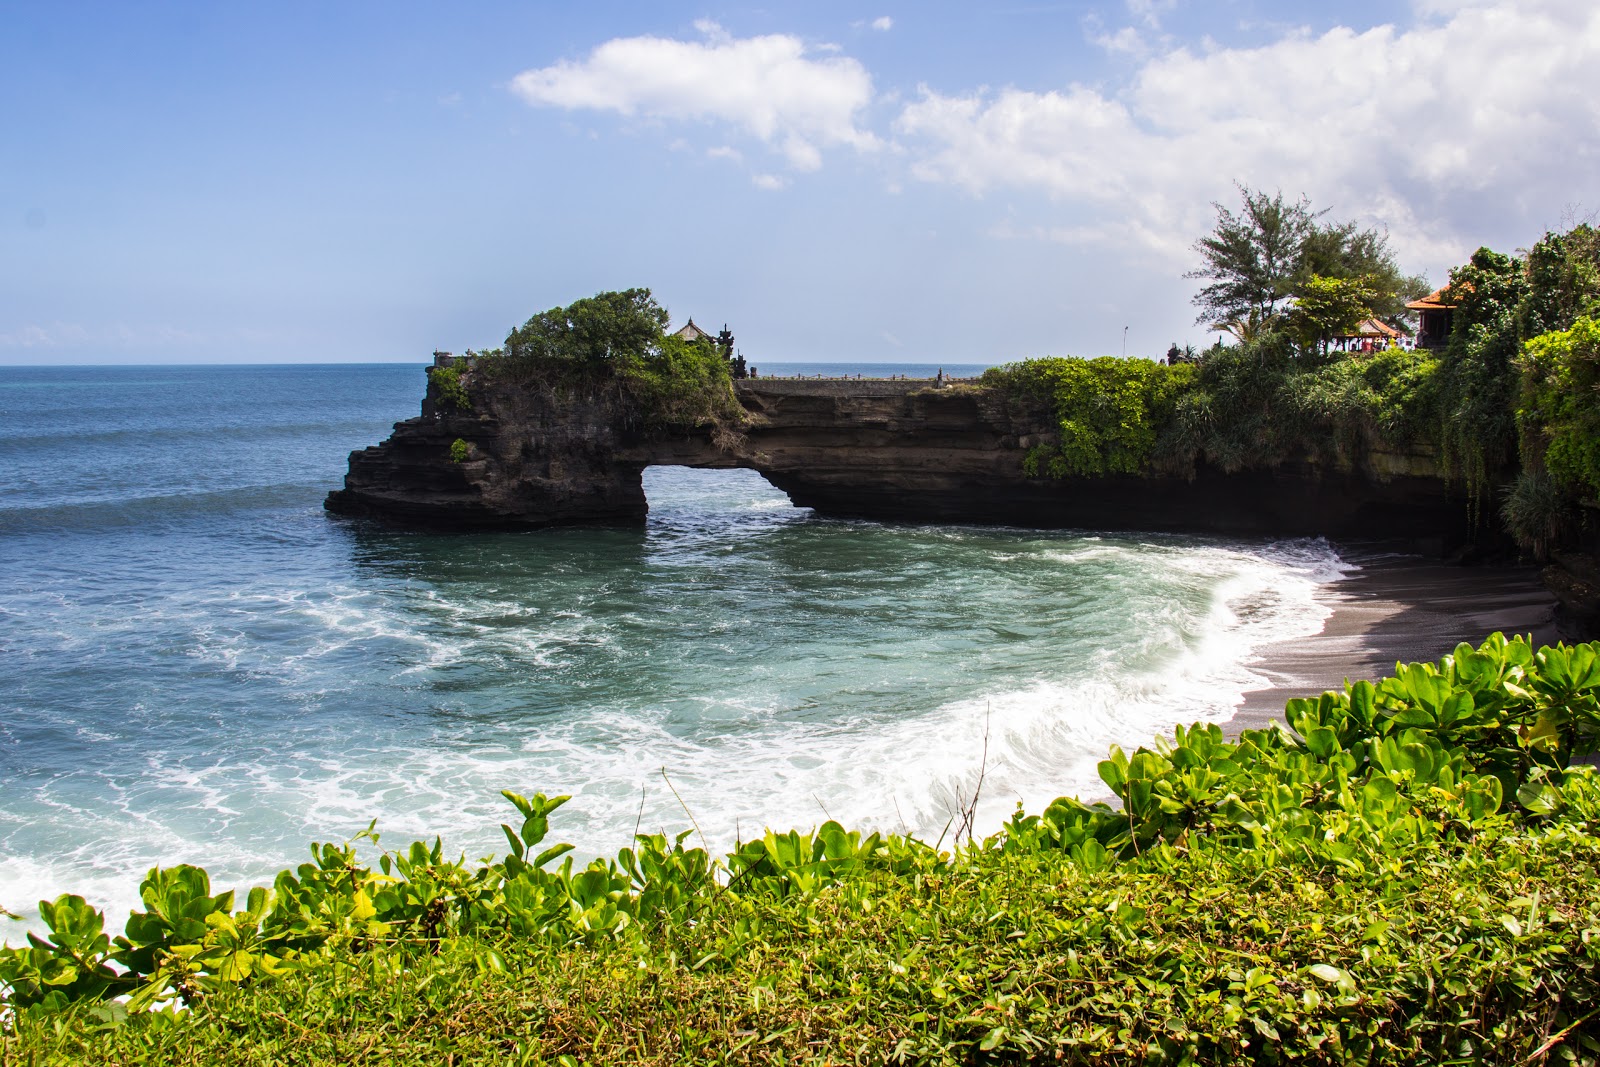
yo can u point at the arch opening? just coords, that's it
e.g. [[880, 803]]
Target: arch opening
[[706, 498]]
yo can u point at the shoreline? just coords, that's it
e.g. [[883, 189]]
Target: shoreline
[[1396, 607]]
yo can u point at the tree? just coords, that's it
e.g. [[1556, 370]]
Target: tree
[[1252, 257], [596, 330], [616, 344], [1345, 252], [1325, 308], [1273, 253]]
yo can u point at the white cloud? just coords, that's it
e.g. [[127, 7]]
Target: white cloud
[[723, 151], [1149, 12], [1418, 128], [883, 22], [769, 182], [770, 87], [1126, 41]]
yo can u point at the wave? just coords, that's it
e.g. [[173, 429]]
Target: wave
[[147, 510], [206, 434], [779, 671]]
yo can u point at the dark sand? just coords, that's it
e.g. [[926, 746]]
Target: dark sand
[[1398, 608]]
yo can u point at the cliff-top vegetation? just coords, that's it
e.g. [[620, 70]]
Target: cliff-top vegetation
[[612, 344], [1507, 404]]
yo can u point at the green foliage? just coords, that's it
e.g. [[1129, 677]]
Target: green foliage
[[1109, 411], [1558, 409], [1405, 872], [447, 388], [1537, 513], [1273, 252], [1387, 399], [1255, 404], [1252, 257], [459, 450], [616, 344], [1478, 435], [613, 327], [1502, 305], [1325, 308], [1563, 281]]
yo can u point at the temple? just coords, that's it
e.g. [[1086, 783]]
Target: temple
[[1435, 313]]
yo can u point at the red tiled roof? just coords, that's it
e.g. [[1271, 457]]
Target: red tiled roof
[[1438, 300]]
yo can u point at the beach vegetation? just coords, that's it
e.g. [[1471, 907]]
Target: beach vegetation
[[1517, 339], [1402, 871]]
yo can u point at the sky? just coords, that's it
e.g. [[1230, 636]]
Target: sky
[[893, 182]]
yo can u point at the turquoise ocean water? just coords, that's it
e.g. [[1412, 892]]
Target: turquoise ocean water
[[200, 666]]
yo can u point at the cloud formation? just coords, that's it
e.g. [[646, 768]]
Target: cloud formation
[[1414, 127], [772, 87]]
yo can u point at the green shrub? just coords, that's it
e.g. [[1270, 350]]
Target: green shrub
[[1109, 411], [1537, 513], [459, 450], [1558, 409], [1256, 404], [448, 389], [1388, 399]]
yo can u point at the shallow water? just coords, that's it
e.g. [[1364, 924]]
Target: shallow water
[[202, 667]]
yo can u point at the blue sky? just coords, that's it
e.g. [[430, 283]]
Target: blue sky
[[895, 182]]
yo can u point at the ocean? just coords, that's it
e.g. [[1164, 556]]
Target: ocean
[[200, 666]]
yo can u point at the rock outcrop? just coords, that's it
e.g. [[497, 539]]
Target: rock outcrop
[[534, 456]]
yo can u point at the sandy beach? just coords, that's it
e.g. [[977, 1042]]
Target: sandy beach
[[1399, 608]]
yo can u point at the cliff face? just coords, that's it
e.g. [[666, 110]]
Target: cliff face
[[533, 458], [884, 450]]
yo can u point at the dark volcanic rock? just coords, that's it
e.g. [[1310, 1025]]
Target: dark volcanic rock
[[875, 449]]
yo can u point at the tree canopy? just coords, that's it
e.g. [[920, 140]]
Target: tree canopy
[[599, 329], [1274, 256], [617, 341]]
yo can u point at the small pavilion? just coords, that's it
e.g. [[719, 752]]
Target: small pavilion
[[1435, 312], [691, 332], [1369, 334]]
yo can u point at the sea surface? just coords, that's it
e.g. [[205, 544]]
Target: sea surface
[[200, 666]]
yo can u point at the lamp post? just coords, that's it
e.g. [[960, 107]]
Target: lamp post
[[1125, 342]]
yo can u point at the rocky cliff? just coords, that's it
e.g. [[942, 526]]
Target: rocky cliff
[[532, 456]]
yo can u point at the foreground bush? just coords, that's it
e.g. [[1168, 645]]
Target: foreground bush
[[1408, 872]]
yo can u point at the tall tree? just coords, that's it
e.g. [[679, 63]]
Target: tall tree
[[1273, 254], [1251, 257]]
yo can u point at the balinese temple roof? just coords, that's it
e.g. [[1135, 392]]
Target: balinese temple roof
[[1373, 328], [691, 332], [1438, 300]]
